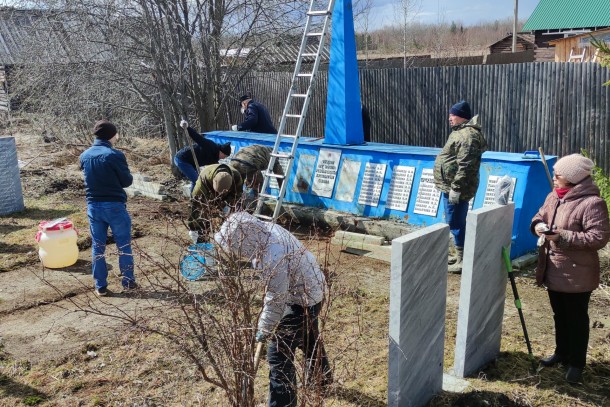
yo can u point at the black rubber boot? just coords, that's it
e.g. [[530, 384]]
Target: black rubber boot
[[552, 360], [574, 375]]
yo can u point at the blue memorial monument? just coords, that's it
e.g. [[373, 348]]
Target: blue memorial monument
[[390, 181]]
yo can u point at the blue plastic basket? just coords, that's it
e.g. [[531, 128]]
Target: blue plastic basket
[[193, 264]]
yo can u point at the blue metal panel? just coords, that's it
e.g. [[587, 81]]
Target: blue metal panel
[[530, 191]]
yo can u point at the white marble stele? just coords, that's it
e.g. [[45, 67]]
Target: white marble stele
[[418, 292], [483, 288]]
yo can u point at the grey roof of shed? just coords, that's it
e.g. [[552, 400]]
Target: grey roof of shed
[[36, 36]]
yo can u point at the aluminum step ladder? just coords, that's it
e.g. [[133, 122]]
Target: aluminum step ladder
[[297, 103]]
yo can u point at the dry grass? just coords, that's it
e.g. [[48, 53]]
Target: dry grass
[[128, 367]]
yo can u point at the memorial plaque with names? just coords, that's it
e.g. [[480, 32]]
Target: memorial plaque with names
[[302, 181], [400, 187], [346, 188], [428, 196], [372, 184], [326, 172], [284, 164], [490, 197]]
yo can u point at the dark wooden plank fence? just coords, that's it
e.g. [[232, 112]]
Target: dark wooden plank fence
[[561, 107]]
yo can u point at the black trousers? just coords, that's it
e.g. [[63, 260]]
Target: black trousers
[[571, 315], [299, 329]]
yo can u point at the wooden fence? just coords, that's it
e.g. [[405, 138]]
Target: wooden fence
[[561, 107]]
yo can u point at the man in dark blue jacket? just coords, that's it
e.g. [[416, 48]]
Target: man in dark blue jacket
[[106, 174], [257, 116], [206, 151]]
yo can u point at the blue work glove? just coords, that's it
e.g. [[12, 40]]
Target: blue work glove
[[454, 197], [260, 337]]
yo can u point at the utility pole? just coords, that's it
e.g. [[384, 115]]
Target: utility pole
[[515, 22]]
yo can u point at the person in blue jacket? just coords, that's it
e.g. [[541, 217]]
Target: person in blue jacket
[[106, 174], [206, 151], [258, 119]]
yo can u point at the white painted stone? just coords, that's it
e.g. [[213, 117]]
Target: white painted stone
[[418, 291], [483, 288], [349, 238]]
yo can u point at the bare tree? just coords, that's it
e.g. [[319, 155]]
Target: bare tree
[[362, 17], [159, 60], [406, 10]]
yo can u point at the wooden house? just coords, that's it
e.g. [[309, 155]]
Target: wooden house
[[557, 19], [578, 48], [525, 42]]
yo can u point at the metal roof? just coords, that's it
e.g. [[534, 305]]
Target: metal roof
[[561, 14]]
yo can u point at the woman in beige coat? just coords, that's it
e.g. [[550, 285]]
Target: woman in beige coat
[[572, 225]]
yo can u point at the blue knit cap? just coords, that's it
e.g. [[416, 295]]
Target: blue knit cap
[[461, 109]]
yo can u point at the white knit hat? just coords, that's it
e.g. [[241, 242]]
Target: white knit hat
[[574, 168]]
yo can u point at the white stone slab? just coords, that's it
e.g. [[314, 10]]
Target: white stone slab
[[302, 181], [326, 172], [350, 169], [418, 291], [400, 187], [428, 197], [372, 184], [483, 288]]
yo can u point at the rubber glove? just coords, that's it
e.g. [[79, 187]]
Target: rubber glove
[[184, 124], [193, 235], [454, 197], [541, 227], [234, 127], [260, 336]]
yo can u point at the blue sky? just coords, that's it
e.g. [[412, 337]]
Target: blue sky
[[467, 12]]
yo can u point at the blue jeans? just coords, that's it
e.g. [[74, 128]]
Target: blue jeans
[[188, 170], [299, 329], [455, 216], [101, 216]]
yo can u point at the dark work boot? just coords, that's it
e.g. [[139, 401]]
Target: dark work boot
[[552, 360], [574, 375], [456, 268]]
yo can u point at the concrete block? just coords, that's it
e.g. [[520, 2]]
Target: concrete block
[[525, 261], [140, 177], [383, 253], [418, 291], [131, 192], [149, 187], [483, 288], [454, 384], [186, 189], [351, 238]]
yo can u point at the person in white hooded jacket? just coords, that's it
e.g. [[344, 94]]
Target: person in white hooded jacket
[[293, 299]]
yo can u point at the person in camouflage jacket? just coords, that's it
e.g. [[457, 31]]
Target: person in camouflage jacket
[[251, 160], [456, 172], [218, 186]]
